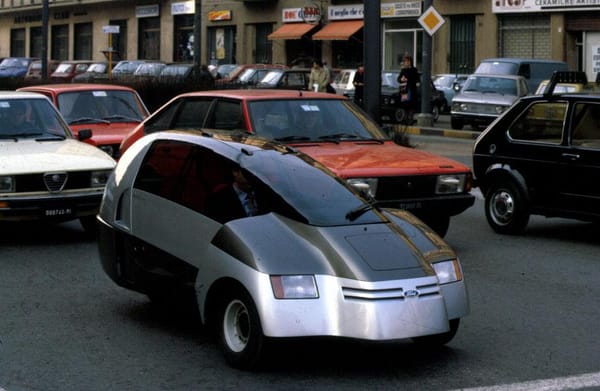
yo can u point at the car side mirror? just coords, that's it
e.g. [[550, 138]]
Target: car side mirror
[[84, 134]]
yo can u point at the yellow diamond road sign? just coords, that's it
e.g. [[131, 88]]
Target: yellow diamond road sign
[[431, 20]]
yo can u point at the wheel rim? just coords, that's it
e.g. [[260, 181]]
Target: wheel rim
[[236, 326], [400, 115], [502, 207]]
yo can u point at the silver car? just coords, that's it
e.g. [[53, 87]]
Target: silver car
[[317, 259], [484, 97]]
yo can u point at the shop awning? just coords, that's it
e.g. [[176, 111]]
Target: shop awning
[[291, 31], [339, 31]]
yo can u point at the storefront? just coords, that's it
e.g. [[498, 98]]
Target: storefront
[[551, 29], [293, 43]]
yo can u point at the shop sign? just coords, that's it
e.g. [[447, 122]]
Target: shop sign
[[183, 8], [111, 29], [218, 16], [507, 6], [595, 59], [147, 11], [344, 12], [311, 13], [401, 9], [289, 15]]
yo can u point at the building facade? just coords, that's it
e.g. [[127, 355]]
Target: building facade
[[295, 31]]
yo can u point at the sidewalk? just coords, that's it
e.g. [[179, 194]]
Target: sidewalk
[[440, 128]]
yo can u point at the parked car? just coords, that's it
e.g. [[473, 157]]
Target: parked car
[[125, 68], [328, 128], [187, 73], [15, 67], [484, 97], [449, 84], [34, 72], [67, 70], [96, 72], [223, 70], [288, 79], [110, 111], [394, 110], [246, 74], [532, 69], [315, 254], [343, 82], [149, 71], [46, 174], [541, 157]]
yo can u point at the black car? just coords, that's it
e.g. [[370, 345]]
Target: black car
[[394, 110], [541, 157]]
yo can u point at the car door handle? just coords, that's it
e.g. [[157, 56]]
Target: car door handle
[[571, 156]]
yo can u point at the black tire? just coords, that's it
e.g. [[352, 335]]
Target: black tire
[[456, 123], [435, 113], [506, 208], [240, 331], [437, 340], [400, 115], [89, 224]]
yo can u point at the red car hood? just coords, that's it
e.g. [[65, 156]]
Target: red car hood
[[103, 134], [352, 159]]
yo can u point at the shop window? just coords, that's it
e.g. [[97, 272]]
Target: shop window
[[462, 44], [17, 43], [119, 41], [83, 41], [264, 46], [35, 42], [183, 45], [149, 38], [221, 45], [60, 42]]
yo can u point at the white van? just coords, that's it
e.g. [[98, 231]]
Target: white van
[[533, 70]]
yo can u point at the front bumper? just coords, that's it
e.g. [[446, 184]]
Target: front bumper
[[59, 207], [475, 119], [447, 205], [374, 311]]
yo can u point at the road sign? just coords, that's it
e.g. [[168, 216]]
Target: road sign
[[110, 29], [431, 20]]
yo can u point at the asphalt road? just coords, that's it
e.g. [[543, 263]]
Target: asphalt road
[[533, 324]]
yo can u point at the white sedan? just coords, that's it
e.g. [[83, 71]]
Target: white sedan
[[46, 174]]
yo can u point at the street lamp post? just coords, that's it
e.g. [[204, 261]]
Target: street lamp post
[[44, 48], [425, 118], [372, 58]]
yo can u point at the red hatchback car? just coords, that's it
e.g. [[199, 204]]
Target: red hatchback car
[[335, 132], [110, 111]]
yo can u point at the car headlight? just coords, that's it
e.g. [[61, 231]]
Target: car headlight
[[365, 186], [464, 107], [500, 109], [7, 184], [294, 287], [100, 178], [450, 184], [108, 149], [447, 271]]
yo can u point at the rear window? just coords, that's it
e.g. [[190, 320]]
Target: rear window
[[497, 67]]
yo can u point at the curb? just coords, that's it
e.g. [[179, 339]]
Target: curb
[[430, 131]]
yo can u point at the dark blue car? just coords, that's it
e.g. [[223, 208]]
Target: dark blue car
[[15, 66]]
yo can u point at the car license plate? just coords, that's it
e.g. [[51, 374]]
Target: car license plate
[[59, 212]]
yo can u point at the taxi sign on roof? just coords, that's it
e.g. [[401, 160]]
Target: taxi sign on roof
[[431, 20]]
